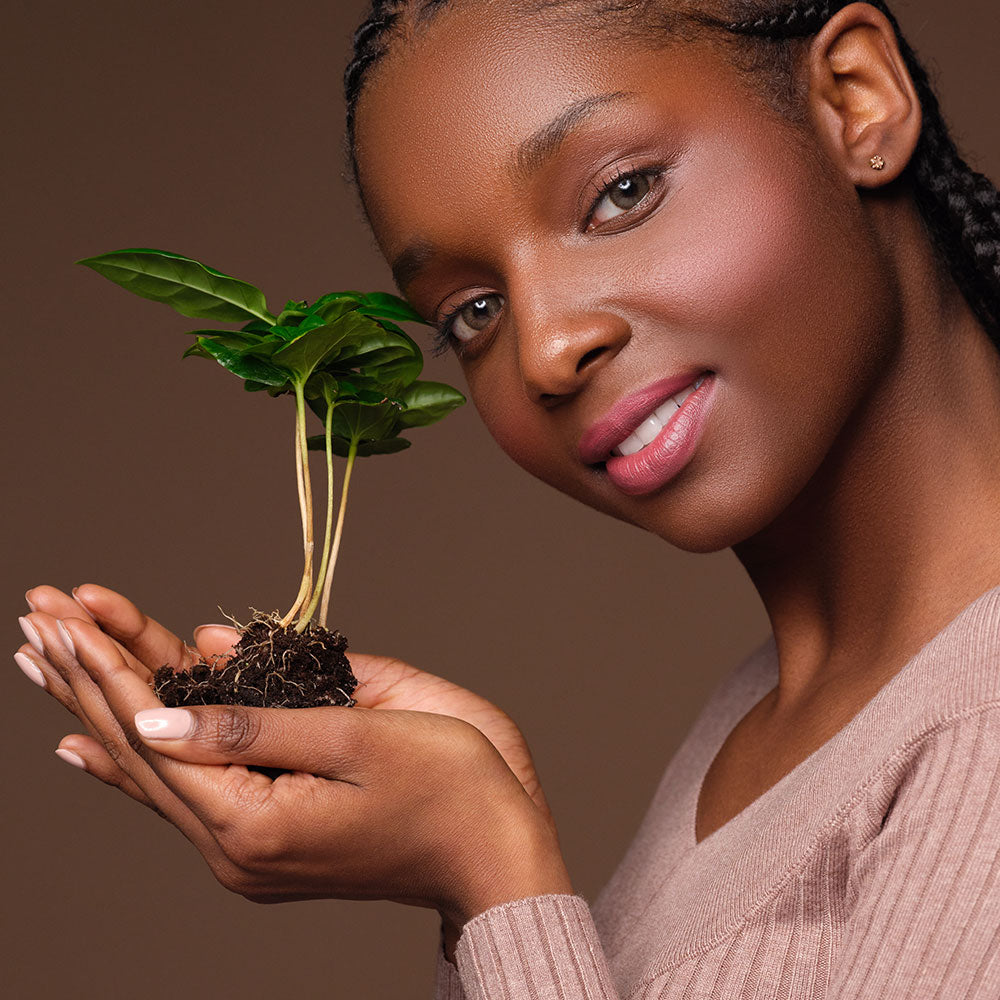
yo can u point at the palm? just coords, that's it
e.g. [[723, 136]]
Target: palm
[[387, 682]]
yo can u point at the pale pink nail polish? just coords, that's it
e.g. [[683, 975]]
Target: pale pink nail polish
[[28, 600], [31, 634], [66, 637], [31, 671], [71, 758], [164, 723]]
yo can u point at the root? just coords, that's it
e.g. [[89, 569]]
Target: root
[[270, 666]]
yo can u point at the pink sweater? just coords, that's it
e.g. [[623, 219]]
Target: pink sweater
[[869, 871]]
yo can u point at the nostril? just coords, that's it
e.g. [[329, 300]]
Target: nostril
[[588, 358]]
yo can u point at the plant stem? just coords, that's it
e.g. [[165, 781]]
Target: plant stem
[[321, 575], [305, 500], [351, 454]]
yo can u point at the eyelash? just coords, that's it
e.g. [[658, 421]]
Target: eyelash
[[443, 339]]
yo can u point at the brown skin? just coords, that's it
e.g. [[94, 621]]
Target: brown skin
[[849, 459]]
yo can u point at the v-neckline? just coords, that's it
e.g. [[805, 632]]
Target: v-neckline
[[765, 682]]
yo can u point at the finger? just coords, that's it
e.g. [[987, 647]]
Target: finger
[[213, 797], [215, 642], [87, 754], [147, 640], [54, 602], [378, 677], [90, 662], [38, 669], [324, 741]]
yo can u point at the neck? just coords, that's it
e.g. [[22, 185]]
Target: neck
[[898, 529]]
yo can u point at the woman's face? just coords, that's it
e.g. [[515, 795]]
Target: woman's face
[[674, 231]]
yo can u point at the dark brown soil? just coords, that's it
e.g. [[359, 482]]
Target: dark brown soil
[[271, 666]]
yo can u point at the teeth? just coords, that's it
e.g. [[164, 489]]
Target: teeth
[[655, 422]]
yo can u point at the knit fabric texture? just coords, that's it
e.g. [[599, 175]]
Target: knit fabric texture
[[869, 870]]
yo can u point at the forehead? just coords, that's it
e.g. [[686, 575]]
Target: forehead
[[444, 112]]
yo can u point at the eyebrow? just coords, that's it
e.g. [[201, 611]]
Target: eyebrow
[[527, 159]]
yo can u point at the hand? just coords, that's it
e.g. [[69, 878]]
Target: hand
[[419, 807], [385, 682]]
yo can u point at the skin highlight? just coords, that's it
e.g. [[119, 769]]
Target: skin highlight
[[849, 457]]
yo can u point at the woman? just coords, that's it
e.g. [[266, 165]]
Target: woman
[[715, 269]]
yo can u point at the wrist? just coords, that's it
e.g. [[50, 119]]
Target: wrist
[[525, 862]]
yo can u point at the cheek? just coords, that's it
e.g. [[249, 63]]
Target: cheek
[[771, 280], [511, 420]]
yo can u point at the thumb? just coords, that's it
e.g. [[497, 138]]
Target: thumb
[[323, 741], [215, 641]]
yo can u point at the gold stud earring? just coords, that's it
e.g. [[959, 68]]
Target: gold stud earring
[[876, 162]]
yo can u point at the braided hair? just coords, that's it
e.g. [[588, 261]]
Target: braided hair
[[960, 207]]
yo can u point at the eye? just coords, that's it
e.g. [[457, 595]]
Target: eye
[[468, 320], [622, 194]]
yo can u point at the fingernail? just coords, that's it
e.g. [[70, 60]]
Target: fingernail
[[71, 758], [212, 625], [164, 723], [66, 637], [30, 603], [31, 634], [31, 671]]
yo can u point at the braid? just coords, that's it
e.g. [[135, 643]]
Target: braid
[[370, 42], [960, 207]]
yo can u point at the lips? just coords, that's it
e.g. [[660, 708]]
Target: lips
[[627, 415]]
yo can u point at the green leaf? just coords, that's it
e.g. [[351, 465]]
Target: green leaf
[[391, 307], [395, 374], [334, 305], [236, 340], [197, 351], [191, 288], [306, 352], [363, 422], [341, 446], [427, 402], [292, 311], [323, 389], [247, 367], [256, 326], [247, 336]]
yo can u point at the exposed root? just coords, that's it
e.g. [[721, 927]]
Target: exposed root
[[271, 666]]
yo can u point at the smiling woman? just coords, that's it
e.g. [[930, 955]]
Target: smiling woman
[[715, 269], [718, 270]]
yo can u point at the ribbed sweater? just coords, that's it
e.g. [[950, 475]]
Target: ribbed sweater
[[868, 871]]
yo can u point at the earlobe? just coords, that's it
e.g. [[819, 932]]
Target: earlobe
[[862, 100]]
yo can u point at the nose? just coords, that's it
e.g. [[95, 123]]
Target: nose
[[560, 350]]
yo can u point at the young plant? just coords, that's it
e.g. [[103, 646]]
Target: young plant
[[344, 357]]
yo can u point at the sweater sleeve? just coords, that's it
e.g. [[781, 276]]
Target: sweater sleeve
[[926, 915], [541, 948]]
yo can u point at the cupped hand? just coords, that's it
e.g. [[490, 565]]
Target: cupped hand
[[384, 682], [424, 793]]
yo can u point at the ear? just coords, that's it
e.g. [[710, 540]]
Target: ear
[[861, 97]]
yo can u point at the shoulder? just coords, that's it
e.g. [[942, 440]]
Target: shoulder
[[931, 735]]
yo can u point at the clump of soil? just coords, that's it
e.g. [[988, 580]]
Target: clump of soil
[[271, 666]]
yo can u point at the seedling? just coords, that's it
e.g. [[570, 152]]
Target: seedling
[[344, 357]]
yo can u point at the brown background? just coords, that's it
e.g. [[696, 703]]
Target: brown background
[[214, 130]]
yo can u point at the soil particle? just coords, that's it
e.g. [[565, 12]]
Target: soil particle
[[271, 666]]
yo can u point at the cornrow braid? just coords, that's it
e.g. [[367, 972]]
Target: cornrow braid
[[371, 40], [960, 207]]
